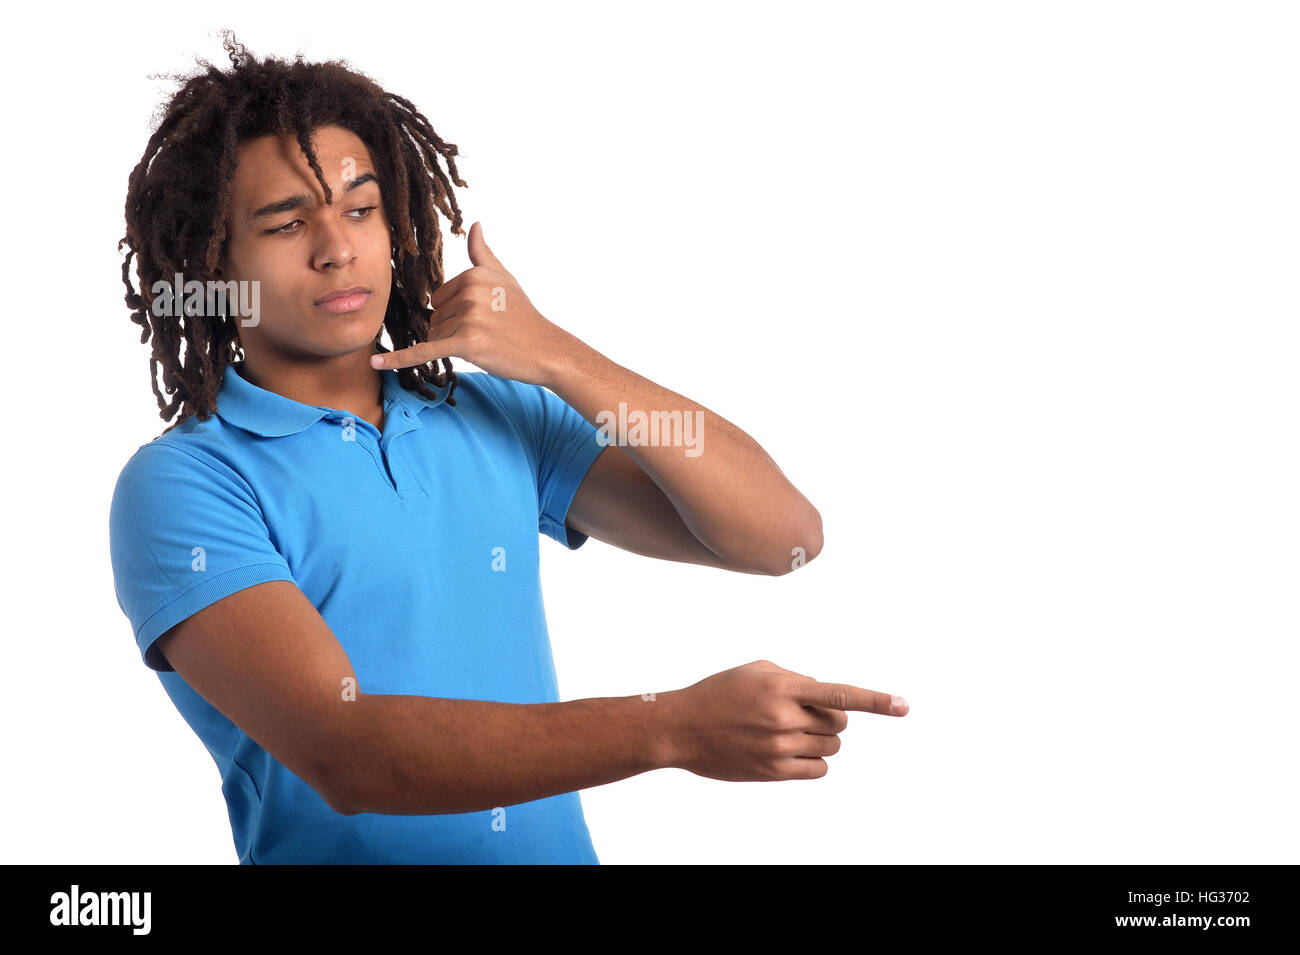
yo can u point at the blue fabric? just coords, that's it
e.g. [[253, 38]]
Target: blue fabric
[[419, 547]]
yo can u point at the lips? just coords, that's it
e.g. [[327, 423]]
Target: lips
[[342, 293]]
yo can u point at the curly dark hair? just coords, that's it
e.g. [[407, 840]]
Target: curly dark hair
[[178, 199]]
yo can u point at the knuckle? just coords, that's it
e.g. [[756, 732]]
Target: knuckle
[[838, 697], [773, 717], [785, 720]]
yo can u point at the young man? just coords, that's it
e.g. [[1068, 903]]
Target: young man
[[332, 562]]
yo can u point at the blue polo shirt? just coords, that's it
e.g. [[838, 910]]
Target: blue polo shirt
[[419, 547]]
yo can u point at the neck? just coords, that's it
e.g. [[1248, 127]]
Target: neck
[[346, 382]]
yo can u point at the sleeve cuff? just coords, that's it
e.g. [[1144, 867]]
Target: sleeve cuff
[[565, 488], [201, 595]]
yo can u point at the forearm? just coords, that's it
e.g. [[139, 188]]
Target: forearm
[[717, 494], [416, 755]]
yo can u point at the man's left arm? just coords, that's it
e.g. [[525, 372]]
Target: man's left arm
[[675, 468]]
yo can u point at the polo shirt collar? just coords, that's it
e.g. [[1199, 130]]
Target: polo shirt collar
[[272, 415]]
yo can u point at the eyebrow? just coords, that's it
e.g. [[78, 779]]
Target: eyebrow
[[293, 202]]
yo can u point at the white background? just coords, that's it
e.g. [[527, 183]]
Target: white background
[[1009, 291]]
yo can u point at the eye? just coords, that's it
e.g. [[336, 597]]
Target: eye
[[287, 227], [283, 228]]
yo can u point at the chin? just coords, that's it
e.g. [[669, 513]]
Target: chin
[[342, 333]]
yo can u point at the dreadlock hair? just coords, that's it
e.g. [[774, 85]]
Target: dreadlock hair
[[178, 199]]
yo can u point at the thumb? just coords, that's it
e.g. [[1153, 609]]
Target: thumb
[[479, 253]]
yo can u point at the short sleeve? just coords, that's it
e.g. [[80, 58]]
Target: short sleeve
[[184, 532], [562, 445]]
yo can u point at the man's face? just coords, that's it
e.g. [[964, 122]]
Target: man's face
[[282, 233]]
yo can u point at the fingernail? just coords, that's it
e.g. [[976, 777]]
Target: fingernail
[[376, 361], [897, 705]]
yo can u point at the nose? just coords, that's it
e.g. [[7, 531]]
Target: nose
[[333, 247]]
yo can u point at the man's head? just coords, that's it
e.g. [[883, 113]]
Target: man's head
[[307, 178], [281, 232]]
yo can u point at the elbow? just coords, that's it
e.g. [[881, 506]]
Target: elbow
[[339, 773], [349, 758], [342, 807], [340, 795], [807, 545]]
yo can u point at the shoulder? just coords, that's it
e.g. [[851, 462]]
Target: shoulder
[[516, 398], [520, 403], [173, 455], [175, 477], [488, 385]]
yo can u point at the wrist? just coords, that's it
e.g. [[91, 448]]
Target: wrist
[[665, 737], [565, 361]]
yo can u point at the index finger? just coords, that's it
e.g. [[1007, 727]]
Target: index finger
[[420, 353], [844, 696]]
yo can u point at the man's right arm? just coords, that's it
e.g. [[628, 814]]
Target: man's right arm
[[266, 659]]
